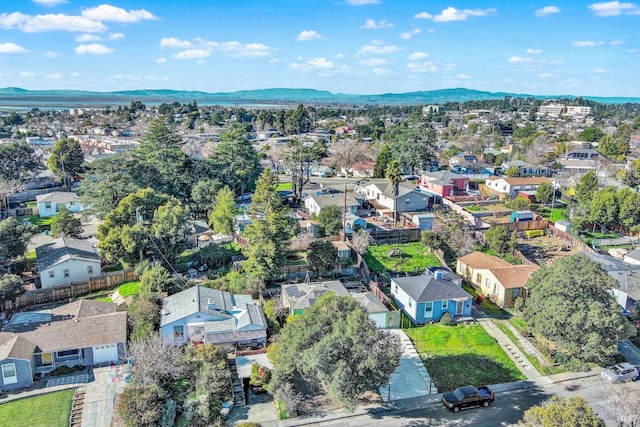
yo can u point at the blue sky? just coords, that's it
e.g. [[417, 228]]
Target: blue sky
[[349, 46]]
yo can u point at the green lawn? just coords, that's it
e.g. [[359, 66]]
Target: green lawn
[[45, 410], [40, 221], [283, 186], [129, 289], [487, 305], [554, 215], [415, 257], [462, 355]]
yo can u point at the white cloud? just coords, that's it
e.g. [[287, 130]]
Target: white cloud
[[422, 67], [49, 2], [373, 62], [83, 38], [547, 10], [377, 47], [616, 42], [49, 22], [174, 42], [408, 34], [51, 54], [587, 43], [519, 59], [614, 8], [452, 14], [416, 56], [193, 54], [74, 75], [27, 75], [362, 2], [161, 60], [240, 50], [382, 71], [371, 24], [116, 36], [106, 12], [92, 49], [598, 70], [308, 35], [534, 51], [313, 64], [54, 76], [546, 75], [12, 48], [463, 76]]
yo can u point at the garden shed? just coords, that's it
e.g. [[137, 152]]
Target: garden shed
[[521, 216], [424, 221]]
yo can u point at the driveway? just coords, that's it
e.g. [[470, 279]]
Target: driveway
[[411, 379], [100, 393]]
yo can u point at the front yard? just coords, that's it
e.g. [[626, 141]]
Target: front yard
[[412, 257], [461, 355], [46, 410]]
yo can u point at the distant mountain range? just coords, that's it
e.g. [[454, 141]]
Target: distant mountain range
[[17, 97]]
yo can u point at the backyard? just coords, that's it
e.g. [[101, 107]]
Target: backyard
[[460, 355], [46, 410], [408, 257]]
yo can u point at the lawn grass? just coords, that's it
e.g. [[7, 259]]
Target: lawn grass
[[129, 288], [45, 410], [40, 221], [554, 215], [461, 355], [486, 304], [284, 186], [415, 258]]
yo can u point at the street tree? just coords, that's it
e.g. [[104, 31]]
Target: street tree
[[628, 207], [223, 216], [66, 159], [332, 347], [18, 163], [65, 224], [11, 287], [570, 304], [562, 411], [14, 238], [321, 256], [330, 220]]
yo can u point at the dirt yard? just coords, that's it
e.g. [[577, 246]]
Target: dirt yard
[[545, 250]]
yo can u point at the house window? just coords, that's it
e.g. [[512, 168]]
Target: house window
[[487, 282], [66, 273], [52, 274], [177, 331], [395, 288], [495, 288], [9, 374], [410, 303], [67, 353], [89, 269], [479, 279], [445, 305], [428, 309], [407, 201], [47, 205], [46, 359], [515, 293]]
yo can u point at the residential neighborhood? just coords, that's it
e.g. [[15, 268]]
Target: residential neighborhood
[[239, 265]]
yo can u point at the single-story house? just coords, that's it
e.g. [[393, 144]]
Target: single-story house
[[462, 157], [67, 260], [377, 311], [83, 332], [509, 188], [493, 277], [443, 183], [426, 298], [205, 315], [49, 204], [473, 168], [527, 169], [316, 202], [344, 251], [380, 195], [320, 171], [363, 169]]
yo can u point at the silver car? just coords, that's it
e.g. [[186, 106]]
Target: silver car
[[620, 373]]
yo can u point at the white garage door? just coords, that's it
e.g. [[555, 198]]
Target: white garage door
[[105, 353]]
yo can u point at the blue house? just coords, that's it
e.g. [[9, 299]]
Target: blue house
[[426, 298]]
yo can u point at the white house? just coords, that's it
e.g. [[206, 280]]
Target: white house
[[315, 203], [67, 260], [49, 204], [380, 195], [505, 187]]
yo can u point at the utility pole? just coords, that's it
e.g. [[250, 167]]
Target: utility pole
[[344, 215]]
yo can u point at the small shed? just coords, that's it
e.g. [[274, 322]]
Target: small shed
[[354, 222], [563, 225], [424, 221], [521, 216]]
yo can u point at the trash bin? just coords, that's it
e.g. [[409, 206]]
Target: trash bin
[[46, 232]]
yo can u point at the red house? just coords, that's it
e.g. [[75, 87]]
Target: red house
[[444, 183]]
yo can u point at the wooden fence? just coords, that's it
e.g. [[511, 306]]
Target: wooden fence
[[542, 224], [400, 235], [71, 291], [570, 239]]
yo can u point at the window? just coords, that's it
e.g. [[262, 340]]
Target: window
[[515, 293], [9, 374], [428, 309], [479, 279], [445, 305], [89, 269], [52, 274], [177, 331], [487, 282], [47, 205], [407, 201], [46, 359], [67, 353], [495, 288], [65, 272]]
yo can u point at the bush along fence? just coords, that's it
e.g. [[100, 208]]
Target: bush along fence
[[70, 291]]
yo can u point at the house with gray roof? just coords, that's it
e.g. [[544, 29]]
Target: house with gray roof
[[380, 195], [49, 204], [67, 260], [83, 332], [426, 298], [204, 315], [627, 277], [316, 202]]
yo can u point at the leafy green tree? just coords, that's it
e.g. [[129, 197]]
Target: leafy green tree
[[298, 121], [544, 192], [330, 220], [431, 239], [631, 174], [202, 195], [333, 346], [591, 134], [415, 149], [586, 188], [382, 161], [570, 304], [394, 176], [223, 216], [65, 224], [499, 240], [144, 315], [14, 238], [628, 202], [298, 156], [66, 158], [512, 171], [236, 160], [156, 279], [171, 228], [272, 316], [612, 147], [18, 164], [562, 411], [604, 207], [321, 256], [10, 288]]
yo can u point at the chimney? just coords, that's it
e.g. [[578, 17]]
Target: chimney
[[210, 304]]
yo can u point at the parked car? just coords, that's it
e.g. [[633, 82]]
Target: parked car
[[620, 373], [468, 397]]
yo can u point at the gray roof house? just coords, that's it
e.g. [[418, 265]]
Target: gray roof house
[[380, 195], [316, 202], [204, 315], [627, 276], [49, 204], [67, 260]]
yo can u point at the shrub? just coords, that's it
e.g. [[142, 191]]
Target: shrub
[[447, 319]]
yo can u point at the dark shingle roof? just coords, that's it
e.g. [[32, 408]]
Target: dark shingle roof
[[63, 249], [427, 288]]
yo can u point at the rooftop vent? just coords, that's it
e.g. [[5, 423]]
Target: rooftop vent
[[210, 304]]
